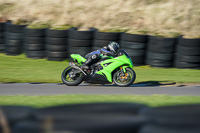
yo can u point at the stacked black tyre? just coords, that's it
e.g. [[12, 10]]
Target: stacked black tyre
[[80, 42], [12, 115], [2, 43], [35, 43], [187, 53], [14, 39], [85, 118], [57, 45], [101, 118], [135, 45], [160, 51], [102, 39], [172, 119]]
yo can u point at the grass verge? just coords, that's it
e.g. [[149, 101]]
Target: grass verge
[[45, 101], [21, 69]]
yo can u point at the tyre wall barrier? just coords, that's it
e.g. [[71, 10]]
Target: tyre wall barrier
[[135, 45], [160, 51], [57, 45], [80, 42], [11, 115], [14, 39], [2, 35], [187, 53], [90, 118], [172, 119], [101, 118], [102, 39], [34, 43]]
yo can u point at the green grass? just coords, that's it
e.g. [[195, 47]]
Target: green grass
[[45, 101], [21, 69], [146, 73]]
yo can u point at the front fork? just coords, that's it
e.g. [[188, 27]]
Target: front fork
[[123, 70], [123, 75]]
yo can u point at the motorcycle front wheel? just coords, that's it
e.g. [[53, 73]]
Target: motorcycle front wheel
[[70, 78], [124, 79]]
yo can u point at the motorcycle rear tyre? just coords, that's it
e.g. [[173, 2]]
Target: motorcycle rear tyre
[[74, 83]]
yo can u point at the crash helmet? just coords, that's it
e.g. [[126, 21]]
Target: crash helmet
[[114, 47]]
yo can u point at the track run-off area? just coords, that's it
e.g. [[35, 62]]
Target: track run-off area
[[92, 89]]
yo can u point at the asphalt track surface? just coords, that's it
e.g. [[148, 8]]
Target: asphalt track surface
[[91, 89]]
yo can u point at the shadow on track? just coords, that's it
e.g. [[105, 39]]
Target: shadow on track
[[138, 84]]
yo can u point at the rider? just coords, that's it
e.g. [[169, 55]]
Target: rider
[[110, 50]]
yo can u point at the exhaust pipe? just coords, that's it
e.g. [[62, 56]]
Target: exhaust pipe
[[71, 64]]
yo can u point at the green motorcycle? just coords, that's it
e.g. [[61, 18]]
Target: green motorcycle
[[106, 70]]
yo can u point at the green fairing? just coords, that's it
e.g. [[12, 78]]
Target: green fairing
[[79, 58], [115, 63]]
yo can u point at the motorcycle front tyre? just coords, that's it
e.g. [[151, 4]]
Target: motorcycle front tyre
[[128, 69]]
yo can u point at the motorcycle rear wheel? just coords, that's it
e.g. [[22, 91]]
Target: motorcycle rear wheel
[[129, 77], [67, 80]]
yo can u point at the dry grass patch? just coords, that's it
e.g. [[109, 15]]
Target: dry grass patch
[[165, 17]]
